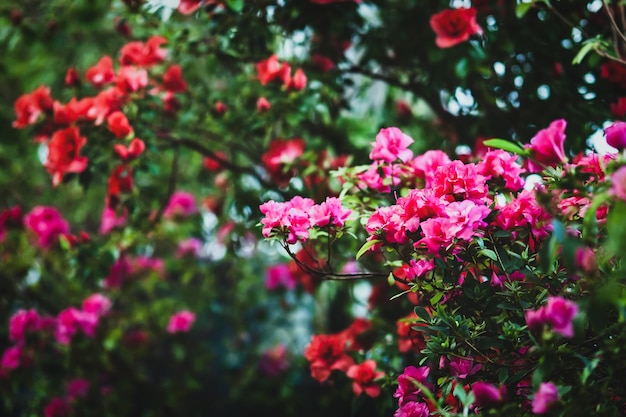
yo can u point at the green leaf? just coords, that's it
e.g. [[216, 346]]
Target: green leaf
[[235, 5], [366, 247], [588, 46], [489, 254], [506, 145], [522, 8]]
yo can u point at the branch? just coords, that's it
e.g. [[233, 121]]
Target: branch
[[171, 185]]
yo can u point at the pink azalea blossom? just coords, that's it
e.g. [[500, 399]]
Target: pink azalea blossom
[[499, 164], [330, 212], [463, 367], [279, 275], [408, 390], [47, 224], [21, 322], [189, 247], [547, 146], [57, 407], [97, 304], [274, 361], [110, 220], [11, 358], [70, 320], [425, 165], [181, 321], [413, 409], [560, 312], [459, 181], [545, 398], [487, 395], [618, 183], [391, 144], [181, 204], [77, 388], [616, 135]]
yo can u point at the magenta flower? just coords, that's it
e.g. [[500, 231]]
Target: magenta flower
[[547, 146], [408, 390], [181, 204], [487, 395], [616, 135], [618, 183], [22, 321], [329, 212], [181, 321], [463, 367], [96, 304], [560, 312], [274, 360], [189, 247], [70, 320], [545, 398], [77, 388], [391, 144], [47, 224], [412, 409], [110, 220], [279, 275], [11, 358], [57, 407]]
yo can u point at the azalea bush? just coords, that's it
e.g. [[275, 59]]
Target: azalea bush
[[412, 265]]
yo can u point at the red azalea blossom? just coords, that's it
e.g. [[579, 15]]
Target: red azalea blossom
[[72, 77], [121, 180], [364, 376], [28, 107], [262, 105], [133, 150], [143, 54], [67, 114], [270, 70], [173, 79], [454, 26], [131, 79], [117, 123], [64, 154], [298, 82], [101, 73], [281, 154], [326, 352]]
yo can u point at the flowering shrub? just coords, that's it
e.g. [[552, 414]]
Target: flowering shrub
[[144, 140], [509, 280]]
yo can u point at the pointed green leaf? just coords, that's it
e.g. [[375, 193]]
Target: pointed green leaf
[[366, 247], [505, 145]]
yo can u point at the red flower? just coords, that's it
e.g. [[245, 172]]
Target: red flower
[[131, 79], [281, 154], [454, 26], [101, 73], [188, 6], [220, 108], [214, 164], [135, 149], [298, 82], [106, 102], [618, 109], [118, 124], [322, 63], [364, 376], [121, 180], [143, 54], [326, 353], [28, 107], [66, 114], [173, 79], [262, 105], [72, 77], [270, 70], [64, 154]]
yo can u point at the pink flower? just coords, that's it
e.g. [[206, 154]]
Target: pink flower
[[408, 390], [110, 220], [57, 407], [425, 165], [130, 79], [330, 212], [364, 376], [77, 388], [413, 409], [119, 272], [391, 144], [11, 358], [545, 398], [181, 204], [616, 135], [262, 105], [454, 26], [463, 367], [274, 360], [181, 321], [298, 82], [279, 275], [96, 304], [547, 146], [487, 395], [618, 183], [290, 219], [457, 181], [499, 164], [47, 224], [21, 322], [189, 247], [189, 6], [70, 320], [560, 312]]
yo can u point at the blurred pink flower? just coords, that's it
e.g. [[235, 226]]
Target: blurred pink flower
[[545, 398], [22, 321], [547, 146], [181, 321], [189, 247], [274, 360], [279, 275], [181, 204], [96, 304], [391, 144], [47, 224]]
